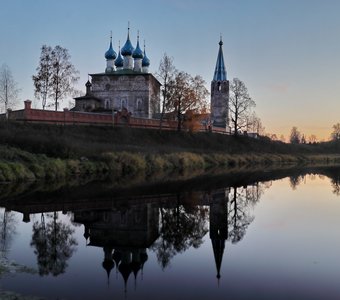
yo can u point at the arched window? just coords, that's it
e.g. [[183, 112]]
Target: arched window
[[123, 103], [139, 104]]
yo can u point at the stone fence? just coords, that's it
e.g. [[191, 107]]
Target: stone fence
[[69, 117]]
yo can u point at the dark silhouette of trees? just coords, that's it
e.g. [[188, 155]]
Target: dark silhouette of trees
[[295, 180], [335, 135], [240, 105], [312, 138], [55, 76], [181, 227], [239, 218], [295, 136], [9, 90], [54, 245]]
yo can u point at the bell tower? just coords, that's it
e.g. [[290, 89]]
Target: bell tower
[[219, 104]]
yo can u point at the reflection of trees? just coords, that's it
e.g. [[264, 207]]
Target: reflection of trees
[[239, 218], [7, 230], [182, 226], [295, 180], [335, 182], [54, 244]]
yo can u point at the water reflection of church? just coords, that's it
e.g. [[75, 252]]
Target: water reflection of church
[[124, 233], [126, 227]]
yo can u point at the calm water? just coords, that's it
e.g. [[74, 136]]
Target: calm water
[[217, 238]]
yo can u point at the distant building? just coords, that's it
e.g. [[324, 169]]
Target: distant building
[[126, 84], [219, 105]]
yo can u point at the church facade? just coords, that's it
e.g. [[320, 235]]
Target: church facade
[[126, 84]]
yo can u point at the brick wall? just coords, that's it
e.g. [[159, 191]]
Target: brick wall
[[67, 117]]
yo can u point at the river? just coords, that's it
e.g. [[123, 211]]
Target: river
[[269, 235]]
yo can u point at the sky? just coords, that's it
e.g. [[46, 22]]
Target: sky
[[287, 52]]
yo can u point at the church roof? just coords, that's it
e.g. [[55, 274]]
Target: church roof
[[119, 62], [146, 60], [126, 72], [220, 71], [110, 53], [88, 97], [138, 53], [127, 48]]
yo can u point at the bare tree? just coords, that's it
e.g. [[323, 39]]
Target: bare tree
[[240, 104], [165, 74], [9, 90], [43, 80], [254, 124], [295, 136], [335, 135], [56, 75], [312, 138]]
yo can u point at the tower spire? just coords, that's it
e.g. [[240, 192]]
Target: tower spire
[[220, 71]]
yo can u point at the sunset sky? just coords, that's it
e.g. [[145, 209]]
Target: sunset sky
[[287, 52]]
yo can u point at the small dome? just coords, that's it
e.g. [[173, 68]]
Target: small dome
[[110, 54], [88, 83], [127, 48], [119, 62], [145, 61], [138, 53]]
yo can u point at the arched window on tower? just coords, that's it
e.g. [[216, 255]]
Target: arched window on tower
[[219, 86], [139, 104], [123, 103], [107, 104]]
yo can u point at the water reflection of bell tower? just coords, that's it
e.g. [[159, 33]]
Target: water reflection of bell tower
[[218, 225]]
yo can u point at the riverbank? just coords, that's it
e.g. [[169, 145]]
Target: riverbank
[[20, 165], [30, 152]]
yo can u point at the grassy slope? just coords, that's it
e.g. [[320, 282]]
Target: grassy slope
[[34, 151]]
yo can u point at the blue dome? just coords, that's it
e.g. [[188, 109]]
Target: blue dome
[[127, 48], [145, 61], [110, 54], [119, 62], [138, 53]]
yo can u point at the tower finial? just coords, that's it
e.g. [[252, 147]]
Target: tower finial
[[138, 35], [111, 35], [220, 43], [128, 29], [144, 45]]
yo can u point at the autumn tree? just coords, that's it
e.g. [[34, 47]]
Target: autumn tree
[[9, 90], [240, 105], [335, 135], [186, 93], [56, 75], [165, 74], [295, 136]]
